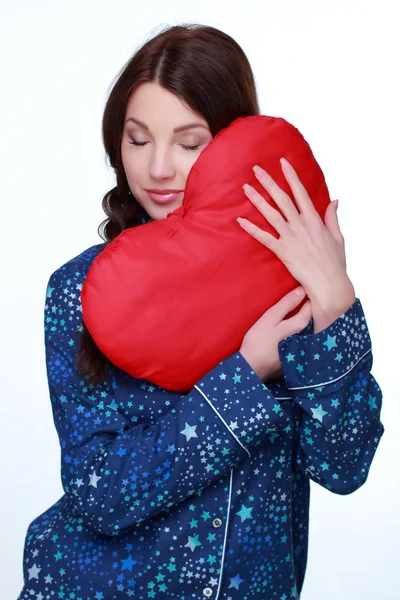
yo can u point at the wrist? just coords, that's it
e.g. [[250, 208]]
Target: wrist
[[327, 307], [256, 368], [261, 370]]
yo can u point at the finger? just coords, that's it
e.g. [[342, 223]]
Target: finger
[[300, 193], [282, 199], [286, 304], [273, 216], [332, 223], [298, 322], [262, 236]]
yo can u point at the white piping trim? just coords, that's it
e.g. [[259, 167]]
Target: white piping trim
[[224, 422], [304, 387], [226, 534]]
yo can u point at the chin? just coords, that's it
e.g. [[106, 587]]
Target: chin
[[158, 212]]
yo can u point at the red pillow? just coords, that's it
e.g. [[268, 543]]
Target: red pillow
[[169, 299]]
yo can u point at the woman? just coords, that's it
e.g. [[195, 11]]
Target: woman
[[204, 494]]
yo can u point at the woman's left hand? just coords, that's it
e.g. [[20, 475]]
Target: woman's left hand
[[311, 249]]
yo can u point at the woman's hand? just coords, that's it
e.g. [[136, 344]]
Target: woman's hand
[[312, 250], [260, 344]]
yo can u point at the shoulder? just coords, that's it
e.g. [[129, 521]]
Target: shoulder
[[75, 269], [63, 310], [63, 291]]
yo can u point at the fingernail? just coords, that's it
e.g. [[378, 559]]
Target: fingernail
[[284, 162], [336, 204], [299, 291]]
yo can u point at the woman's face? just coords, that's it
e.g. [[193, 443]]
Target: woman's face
[[171, 137]]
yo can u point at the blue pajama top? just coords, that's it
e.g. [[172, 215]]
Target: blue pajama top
[[203, 494]]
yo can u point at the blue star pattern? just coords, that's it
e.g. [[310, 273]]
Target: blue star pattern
[[203, 494]]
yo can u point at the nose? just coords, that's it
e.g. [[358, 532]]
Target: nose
[[161, 164]]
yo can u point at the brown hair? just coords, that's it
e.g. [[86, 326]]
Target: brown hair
[[210, 72]]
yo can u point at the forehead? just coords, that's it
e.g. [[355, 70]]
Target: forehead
[[160, 109]]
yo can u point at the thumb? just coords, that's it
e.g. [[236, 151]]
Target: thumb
[[331, 220]]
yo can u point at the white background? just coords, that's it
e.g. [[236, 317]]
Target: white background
[[330, 68]]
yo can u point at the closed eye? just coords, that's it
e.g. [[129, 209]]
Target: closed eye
[[190, 147], [183, 145]]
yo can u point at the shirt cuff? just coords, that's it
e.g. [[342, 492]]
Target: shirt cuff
[[310, 360], [242, 401]]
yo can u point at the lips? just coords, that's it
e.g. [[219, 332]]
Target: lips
[[163, 198]]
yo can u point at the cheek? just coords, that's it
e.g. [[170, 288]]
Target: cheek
[[189, 162], [132, 167]]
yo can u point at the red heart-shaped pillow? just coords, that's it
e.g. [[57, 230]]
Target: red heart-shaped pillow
[[169, 299]]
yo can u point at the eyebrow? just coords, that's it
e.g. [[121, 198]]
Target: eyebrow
[[176, 130]]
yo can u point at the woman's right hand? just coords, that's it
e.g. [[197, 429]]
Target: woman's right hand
[[260, 344]]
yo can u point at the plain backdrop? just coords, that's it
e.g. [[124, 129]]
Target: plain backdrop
[[330, 68]]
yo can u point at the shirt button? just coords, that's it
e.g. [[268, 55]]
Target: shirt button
[[217, 522], [207, 592]]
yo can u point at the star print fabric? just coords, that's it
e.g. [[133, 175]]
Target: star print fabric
[[203, 494]]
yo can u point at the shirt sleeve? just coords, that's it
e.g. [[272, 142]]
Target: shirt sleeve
[[119, 468], [328, 376]]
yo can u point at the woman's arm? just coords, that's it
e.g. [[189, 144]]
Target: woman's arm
[[118, 468], [328, 376]]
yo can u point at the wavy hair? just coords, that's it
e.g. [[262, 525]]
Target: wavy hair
[[207, 69]]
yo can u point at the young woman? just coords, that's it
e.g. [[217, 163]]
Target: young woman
[[204, 494]]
